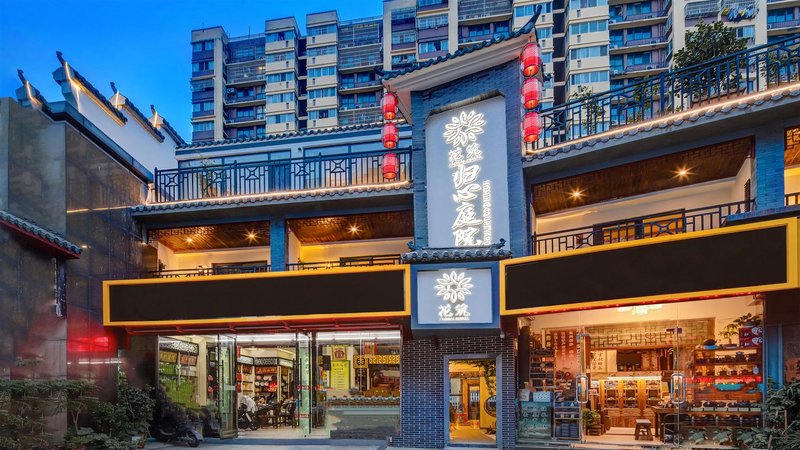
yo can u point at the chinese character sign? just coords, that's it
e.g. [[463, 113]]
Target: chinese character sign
[[466, 176], [454, 296]]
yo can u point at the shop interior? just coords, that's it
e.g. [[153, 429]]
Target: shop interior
[[686, 373], [315, 384], [473, 401]]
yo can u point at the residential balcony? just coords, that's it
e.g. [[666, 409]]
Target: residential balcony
[[364, 85], [358, 62], [653, 40], [206, 113], [784, 24], [287, 175], [246, 78], [360, 106], [636, 228], [206, 271], [793, 199], [479, 38], [242, 59], [350, 261], [243, 119], [248, 98], [202, 73], [669, 93], [637, 17], [480, 9]]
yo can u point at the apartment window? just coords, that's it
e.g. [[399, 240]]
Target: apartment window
[[588, 52], [319, 93], [616, 38], [246, 92], [280, 118], [544, 33], [283, 56], [640, 33], [479, 30], [748, 32], [527, 10], [589, 77], [281, 36], [640, 58], [247, 52], [202, 106], [428, 22], [780, 15], [403, 15], [203, 85], [348, 101], [617, 63], [364, 77], [202, 66], [433, 46], [400, 60], [261, 131], [322, 71], [547, 57], [244, 133], [424, 3], [322, 29], [322, 114], [575, 4], [402, 37], [202, 45], [588, 27], [281, 98], [245, 113], [616, 84], [202, 126], [640, 8], [319, 51], [279, 77]]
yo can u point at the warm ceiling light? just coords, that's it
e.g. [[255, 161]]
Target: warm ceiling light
[[683, 172], [189, 240], [251, 235], [353, 229], [576, 194]]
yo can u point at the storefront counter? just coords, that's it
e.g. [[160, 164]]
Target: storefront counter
[[363, 418]]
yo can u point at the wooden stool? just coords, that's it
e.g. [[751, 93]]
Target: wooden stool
[[642, 432]]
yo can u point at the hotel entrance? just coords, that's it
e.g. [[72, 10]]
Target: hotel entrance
[[680, 374], [339, 385]]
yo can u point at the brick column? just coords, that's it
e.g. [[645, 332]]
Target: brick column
[[277, 244], [767, 174]]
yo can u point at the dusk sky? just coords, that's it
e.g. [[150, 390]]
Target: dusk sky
[[143, 45]]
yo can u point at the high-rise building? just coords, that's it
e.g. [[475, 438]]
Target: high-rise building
[[285, 81]]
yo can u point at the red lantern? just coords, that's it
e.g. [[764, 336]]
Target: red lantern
[[389, 135], [531, 93], [390, 165], [530, 60], [531, 127], [389, 106]]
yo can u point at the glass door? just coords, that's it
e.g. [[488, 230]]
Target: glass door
[[226, 378], [582, 386], [305, 382]]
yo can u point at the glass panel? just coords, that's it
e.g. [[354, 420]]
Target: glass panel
[[227, 399], [472, 398], [304, 404]]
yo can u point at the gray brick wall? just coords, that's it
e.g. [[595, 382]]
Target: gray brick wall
[[768, 165], [422, 388], [505, 79]]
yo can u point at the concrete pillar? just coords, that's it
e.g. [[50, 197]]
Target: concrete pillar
[[767, 175], [277, 244]]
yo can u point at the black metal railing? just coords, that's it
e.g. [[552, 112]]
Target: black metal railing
[[206, 271], [285, 175], [793, 199], [666, 223], [749, 71], [352, 261]]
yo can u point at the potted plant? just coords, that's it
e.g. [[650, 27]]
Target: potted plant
[[591, 418], [732, 329]]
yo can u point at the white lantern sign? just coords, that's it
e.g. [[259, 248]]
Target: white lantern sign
[[453, 296]]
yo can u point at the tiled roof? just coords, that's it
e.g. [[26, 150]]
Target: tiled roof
[[667, 123], [268, 197], [525, 29], [32, 229], [171, 131], [275, 136], [34, 92], [77, 76], [145, 121], [456, 254]]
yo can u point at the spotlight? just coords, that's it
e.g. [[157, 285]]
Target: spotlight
[[189, 240], [353, 229], [576, 194], [683, 172]]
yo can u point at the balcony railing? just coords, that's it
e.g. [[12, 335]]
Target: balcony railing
[[285, 175], [238, 119], [205, 271], [356, 261], [246, 98], [784, 24], [361, 84], [793, 199], [645, 41], [639, 16], [754, 70], [645, 66], [667, 223]]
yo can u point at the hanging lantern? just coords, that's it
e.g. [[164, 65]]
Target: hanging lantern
[[530, 60], [531, 93], [389, 135], [389, 106], [531, 127], [390, 165]]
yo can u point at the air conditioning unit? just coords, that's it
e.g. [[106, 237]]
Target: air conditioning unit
[[230, 90]]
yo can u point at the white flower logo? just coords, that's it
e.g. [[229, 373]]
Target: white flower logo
[[454, 287], [464, 129]]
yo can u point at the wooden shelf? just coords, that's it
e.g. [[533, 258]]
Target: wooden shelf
[[732, 363], [732, 349]]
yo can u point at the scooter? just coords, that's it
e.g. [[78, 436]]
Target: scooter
[[247, 419], [183, 433]]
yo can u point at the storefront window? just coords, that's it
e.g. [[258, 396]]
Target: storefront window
[[684, 374], [343, 385]]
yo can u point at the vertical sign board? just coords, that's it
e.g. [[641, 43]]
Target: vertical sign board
[[467, 175]]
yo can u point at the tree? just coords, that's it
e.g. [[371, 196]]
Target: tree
[[592, 110], [707, 42]]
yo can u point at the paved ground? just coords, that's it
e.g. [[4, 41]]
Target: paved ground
[[250, 444]]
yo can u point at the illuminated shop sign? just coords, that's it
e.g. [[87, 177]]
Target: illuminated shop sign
[[454, 296], [467, 175]]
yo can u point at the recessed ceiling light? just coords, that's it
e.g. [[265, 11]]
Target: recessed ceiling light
[[353, 229], [251, 235], [683, 172], [189, 240], [576, 194]]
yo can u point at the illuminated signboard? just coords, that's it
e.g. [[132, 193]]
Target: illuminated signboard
[[454, 296], [467, 175]]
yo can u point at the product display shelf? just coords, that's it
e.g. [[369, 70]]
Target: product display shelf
[[245, 378], [542, 371], [727, 381], [566, 420]]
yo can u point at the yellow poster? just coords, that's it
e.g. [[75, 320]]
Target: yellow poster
[[338, 352], [340, 375]]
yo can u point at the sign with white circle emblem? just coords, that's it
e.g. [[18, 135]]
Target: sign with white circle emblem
[[454, 296]]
